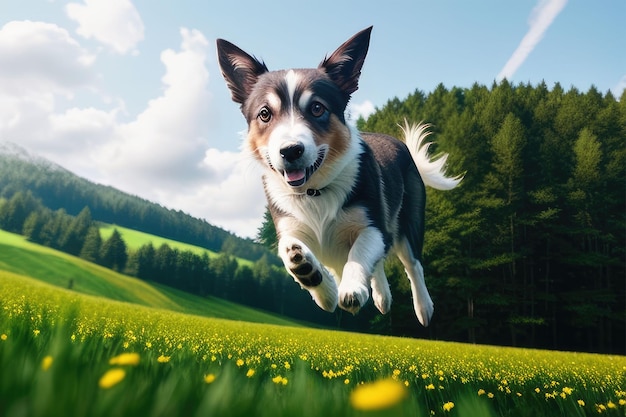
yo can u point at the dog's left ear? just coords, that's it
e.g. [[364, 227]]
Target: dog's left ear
[[240, 70], [344, 65]]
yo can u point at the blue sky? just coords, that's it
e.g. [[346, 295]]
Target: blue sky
[[129, 93]]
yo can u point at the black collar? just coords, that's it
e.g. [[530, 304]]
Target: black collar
[[312, 192]]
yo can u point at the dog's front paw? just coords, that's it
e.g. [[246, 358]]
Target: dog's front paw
[[301, 265], [353, 291]]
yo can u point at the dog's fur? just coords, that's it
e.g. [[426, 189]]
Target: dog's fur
[[341, 200]]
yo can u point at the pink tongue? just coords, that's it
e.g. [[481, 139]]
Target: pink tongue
[[294, 175]]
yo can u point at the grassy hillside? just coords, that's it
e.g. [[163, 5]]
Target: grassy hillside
[[27, 259], [135, 239]]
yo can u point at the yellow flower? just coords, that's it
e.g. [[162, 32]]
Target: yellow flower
[[240, 362], [611, 404], [490, 395], [125, 359], [481, 392], [430, 386], [163, 359], [581, 403], [280, 380], [568, 390], [250, 373], [46, 363], [3, 337], [448, 406], [622, 401], [209, 378], [346, 381], [111, 377], [378, 395], [36, 332]]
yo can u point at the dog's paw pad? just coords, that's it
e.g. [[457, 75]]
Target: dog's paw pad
[[301, 267], [350, 303]]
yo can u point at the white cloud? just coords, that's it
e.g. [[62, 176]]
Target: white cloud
[[38, 63], [540, 20], [44, 58], [165, 144], [115, 23], [356, 110], [619, 88]]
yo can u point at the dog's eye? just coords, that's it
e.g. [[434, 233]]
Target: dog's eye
[[265, 115], [317, 109]]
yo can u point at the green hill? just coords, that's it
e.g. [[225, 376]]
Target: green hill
[[134, 239], [56, 268]]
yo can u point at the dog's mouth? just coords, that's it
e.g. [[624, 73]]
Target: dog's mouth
[[299, 176]]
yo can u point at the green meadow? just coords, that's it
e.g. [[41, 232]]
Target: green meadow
[[111, 345], [134, 239]]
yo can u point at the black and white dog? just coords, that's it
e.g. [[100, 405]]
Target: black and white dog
[[341, 200]]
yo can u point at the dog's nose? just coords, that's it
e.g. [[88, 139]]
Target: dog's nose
[[292, 151]]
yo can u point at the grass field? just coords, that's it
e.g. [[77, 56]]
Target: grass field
[[67, 353], [135, 239]]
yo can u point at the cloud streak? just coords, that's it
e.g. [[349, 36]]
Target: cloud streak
[[540, 20]]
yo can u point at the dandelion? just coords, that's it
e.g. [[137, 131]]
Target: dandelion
[[46, 363], [240, 363], [3, 337], [490, 395], [378, 395], [209, 378], [111, 378], [581, 403], [611, 404], [163, 359], [250, 373], [622, 401], [448, 406], [567, 391], [131, 359], [481, 392], [346, 381], [280, 380], [430, 387]]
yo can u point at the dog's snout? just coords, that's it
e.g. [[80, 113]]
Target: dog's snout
[[292, 152]]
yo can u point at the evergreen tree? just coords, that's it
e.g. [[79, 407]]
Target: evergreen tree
[[113, 252], [92, 245], [73, 238]]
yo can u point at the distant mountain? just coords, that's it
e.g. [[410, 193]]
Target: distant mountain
[[58, 188], [12, 151]]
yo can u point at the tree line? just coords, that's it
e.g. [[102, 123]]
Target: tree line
[[530, 249]]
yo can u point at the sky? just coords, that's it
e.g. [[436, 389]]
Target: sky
[[128, 93]]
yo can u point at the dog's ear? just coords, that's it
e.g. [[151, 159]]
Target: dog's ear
[[344, 65], [239, 69]]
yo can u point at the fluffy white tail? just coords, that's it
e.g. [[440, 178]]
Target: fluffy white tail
[[432, 171]]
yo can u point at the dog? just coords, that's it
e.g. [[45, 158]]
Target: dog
[[341, 200]]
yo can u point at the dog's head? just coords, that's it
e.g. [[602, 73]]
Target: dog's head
[[296, 123]]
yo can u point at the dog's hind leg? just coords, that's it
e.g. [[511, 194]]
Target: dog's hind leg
[[304, 267], [381, 295], [422, 302]]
